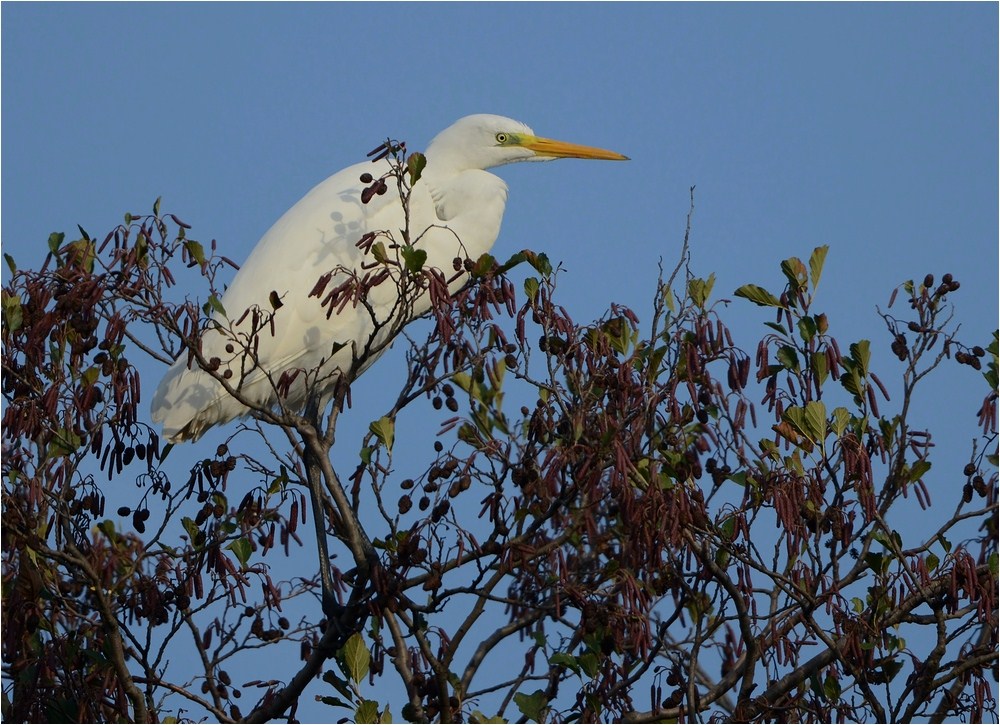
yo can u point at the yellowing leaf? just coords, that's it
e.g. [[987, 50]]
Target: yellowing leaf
[[758, 295], [699, 290], [385, 430], [415, 166], [795, 271], [815, 419], [816, 260], [357, 659]]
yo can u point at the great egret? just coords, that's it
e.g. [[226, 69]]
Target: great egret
[[455, 209]]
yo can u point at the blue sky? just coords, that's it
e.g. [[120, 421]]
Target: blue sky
[[871, 128]]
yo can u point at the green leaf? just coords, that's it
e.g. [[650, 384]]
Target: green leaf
[[142, 247], [795, 272], [807, 328], [815, 418], [821, 366], [852, 384], [992, 373], [699, 290], [758, 295], [81, 254], [332, 701], [55, 241], [816, 260], [722, 558], [190, 527], [540, 262], [357, 658], [479, 717], [214, 305], [415, 166], [565, 660], [10, 263], [106, 527], [668, 298], [831, 686], [932, 561], [878, 563], [484, 265], [788, 358], [728, 527], [861, 354], [889, 669], [588, 661], [64, 443], [814, 685], [777, 327], [796, 417], [513, 260], [414, 258], [918, 469], [531, 288], [13, 315], [90, 375], [379, 253], [385, 430], [841, 419], [367, 711], [242, 548], [279, 482], [156, 206], [275, 300], [339, 684], [196, 250], [468, 433], [462, 380], [532, 706]]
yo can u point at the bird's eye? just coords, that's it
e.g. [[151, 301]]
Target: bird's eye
[[501, 138]]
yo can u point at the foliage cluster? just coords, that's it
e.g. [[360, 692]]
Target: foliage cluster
[[661, 525]]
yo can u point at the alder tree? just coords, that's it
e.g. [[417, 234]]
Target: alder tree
[[625, 519]]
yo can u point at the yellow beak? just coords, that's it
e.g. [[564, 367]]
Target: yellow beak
[[561, 149]]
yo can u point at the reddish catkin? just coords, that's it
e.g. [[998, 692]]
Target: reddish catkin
[[833, 363]]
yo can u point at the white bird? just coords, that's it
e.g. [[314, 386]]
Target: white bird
[[455, 210]]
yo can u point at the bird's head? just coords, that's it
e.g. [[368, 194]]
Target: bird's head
[[484, 140]]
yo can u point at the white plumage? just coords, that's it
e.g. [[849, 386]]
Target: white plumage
[[455, 211]]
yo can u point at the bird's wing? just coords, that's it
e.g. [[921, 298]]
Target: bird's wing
[[458, 215], [316, 236]]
